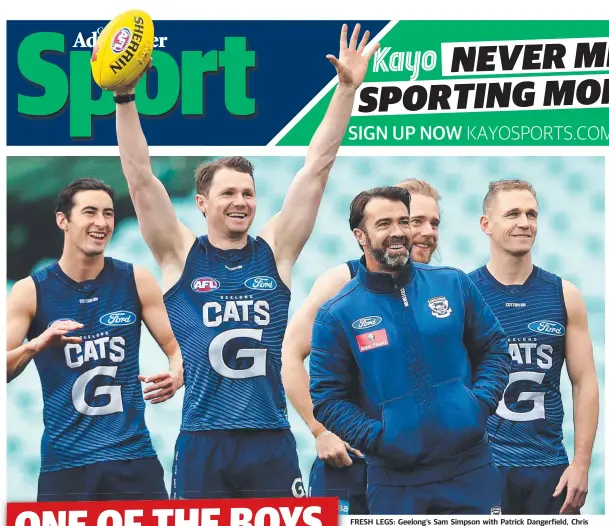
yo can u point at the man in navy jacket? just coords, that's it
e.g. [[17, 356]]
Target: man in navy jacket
[[407, 363]]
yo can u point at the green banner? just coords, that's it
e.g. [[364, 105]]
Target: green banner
[[479, 83]]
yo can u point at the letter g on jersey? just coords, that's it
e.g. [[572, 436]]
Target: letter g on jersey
[[298, 489], [216, 350]]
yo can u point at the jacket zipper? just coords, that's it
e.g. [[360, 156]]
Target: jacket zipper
[[402, 294]]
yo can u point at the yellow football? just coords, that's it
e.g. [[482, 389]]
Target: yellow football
[[122, 50]]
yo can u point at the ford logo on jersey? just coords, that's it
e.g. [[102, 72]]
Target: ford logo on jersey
[[368, 321], [261, 283], [205, 284], [120, 317], [547, 327]]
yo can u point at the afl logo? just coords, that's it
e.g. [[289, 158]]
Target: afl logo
[[547, 327], [261, 283], [120, 317], [205, 284], [365, 323], [121, 40]]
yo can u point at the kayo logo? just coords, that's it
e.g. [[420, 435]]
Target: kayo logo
[[547, 327], [366, 322], [205, 284], [261, 283], [120, 317]]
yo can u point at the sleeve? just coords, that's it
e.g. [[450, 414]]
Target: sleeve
[[334, 383], [487, 346]]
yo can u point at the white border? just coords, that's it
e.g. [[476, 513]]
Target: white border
[[266, 10]]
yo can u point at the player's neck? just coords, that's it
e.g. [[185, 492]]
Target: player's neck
[[79, 266], [508, 269], [374, 266], [226, 242]]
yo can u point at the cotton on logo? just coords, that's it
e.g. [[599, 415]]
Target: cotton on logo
[[205, 284]]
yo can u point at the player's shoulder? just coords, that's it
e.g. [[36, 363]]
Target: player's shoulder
[[118, 265], [23, 295], [477, 274], [24, 287], [43, 273], [343, 300], [437, 272], [547, 276], [335, 277]]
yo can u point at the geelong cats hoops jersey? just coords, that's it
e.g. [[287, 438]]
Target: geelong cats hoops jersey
[[526, 430], [93, 402], [229, 312]]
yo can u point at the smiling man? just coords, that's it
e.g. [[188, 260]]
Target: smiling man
[[82, 317], [546, 323], [329, 474], [407, 362], [228, 296]]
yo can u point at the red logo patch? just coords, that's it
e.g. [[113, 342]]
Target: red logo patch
[[205, 284], [372, 340]]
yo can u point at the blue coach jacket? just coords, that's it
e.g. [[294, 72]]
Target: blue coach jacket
[[408, 371]]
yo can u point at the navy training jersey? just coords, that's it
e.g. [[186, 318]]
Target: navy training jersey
[[353, 265], [229, 312], [526, 430], [93, 401]]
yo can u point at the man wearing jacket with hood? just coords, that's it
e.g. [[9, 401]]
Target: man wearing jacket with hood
[[407, 363]]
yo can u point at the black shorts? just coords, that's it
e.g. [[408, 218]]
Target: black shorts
[[528, 491], [138, 479], [236, 464]]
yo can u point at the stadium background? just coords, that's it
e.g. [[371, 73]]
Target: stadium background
[[571, 230]]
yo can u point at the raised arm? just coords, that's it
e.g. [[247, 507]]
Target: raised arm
[[154, 314], [21, 308], [291, 228], [579, 357], [168, 239], [296, 348]]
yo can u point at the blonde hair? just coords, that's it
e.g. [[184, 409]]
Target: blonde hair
[[416, 186], [505, 185]]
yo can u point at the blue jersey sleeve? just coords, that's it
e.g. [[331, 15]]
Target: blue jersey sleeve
[[487, 345], [334, 383]]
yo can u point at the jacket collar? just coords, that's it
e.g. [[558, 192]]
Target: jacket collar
[[383, 282]]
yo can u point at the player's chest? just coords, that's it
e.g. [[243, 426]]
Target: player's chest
[[97, 311]]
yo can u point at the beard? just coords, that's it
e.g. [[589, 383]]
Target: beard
[[382, 255]]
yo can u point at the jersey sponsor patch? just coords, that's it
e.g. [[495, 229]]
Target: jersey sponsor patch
[[205, 284], [261, 283], [366, 322], [120, 317], [547, 327], [372, 340]]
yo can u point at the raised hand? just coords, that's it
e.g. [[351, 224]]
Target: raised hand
[[352, 63]]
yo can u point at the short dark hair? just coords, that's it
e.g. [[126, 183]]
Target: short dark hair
[[65, 201], [204, 174], [358, 205]]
